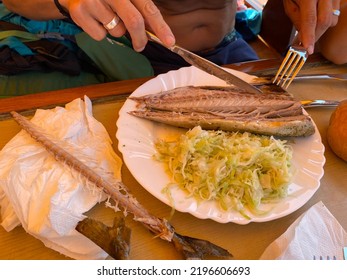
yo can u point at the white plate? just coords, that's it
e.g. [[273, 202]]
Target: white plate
[[136, 137]]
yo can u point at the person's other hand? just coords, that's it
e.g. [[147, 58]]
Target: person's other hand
[[311, 19], [95, 17]]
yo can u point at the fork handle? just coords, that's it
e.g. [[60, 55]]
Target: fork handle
[[312, 76], [319, 103]]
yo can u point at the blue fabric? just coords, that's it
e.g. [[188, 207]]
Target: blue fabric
[[49, 27], [15, 43], [248, 23], [35, 26], [231, 50]]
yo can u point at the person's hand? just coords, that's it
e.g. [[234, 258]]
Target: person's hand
[[311, 19], [97, 17]]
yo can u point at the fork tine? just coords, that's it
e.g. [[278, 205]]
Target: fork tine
[[301, 62], [286, 66], [283, 64], [290, 67]]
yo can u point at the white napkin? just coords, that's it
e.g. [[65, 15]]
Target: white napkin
[[43, 195], [315, 233]]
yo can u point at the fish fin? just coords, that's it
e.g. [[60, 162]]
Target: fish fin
[[194, 248], [113, 240]]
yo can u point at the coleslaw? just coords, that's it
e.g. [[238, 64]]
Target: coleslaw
[[237, 170]]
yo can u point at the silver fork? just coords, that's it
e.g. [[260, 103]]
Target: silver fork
[[319, 103], [331, 76], [290, 67]]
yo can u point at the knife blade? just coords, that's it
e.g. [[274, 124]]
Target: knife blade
[[207, 66]]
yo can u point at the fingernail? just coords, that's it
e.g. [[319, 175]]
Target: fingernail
[[170, 40], [139, 48], [310, 50]]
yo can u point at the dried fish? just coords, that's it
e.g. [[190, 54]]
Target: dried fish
[[226, 108], [114, 240], [189, 247]]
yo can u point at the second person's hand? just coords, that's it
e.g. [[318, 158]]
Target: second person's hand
[[312, 18]]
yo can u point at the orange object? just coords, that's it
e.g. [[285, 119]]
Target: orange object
[[337, 131]]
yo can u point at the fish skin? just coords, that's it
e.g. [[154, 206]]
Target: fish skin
[[286, 127], [227, 109]]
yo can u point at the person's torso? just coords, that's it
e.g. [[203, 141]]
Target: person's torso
[[198, 24]]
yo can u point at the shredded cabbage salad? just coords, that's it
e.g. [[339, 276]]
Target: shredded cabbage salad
[[237, 170]]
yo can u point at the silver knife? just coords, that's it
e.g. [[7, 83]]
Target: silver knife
[[207, 66]]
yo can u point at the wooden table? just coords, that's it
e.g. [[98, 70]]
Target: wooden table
[[243, 241]]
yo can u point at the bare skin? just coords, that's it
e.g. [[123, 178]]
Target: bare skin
[[333, 43], [198, 25]]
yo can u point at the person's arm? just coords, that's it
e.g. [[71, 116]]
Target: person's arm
[[34, 9], [311, 19], [94, 15], [333, 43]]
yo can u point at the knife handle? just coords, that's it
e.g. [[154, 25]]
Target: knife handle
[[154, 38]]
